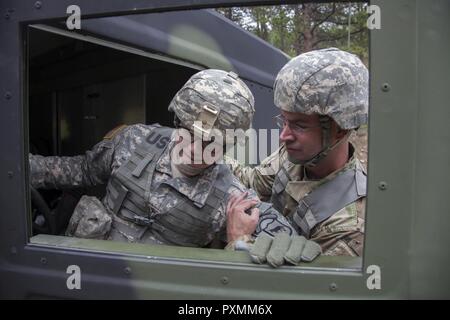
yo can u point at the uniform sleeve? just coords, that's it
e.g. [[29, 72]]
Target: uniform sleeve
[[92, 168], [66, 172], [270, 220], [235, 188], [261, 177], [343, 233]]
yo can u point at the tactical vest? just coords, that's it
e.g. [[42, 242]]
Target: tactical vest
[[322, 202], [128, 196]]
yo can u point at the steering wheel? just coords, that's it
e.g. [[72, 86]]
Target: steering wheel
[[42, 207]]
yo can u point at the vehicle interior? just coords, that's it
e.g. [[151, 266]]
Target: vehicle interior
[[79, 91]]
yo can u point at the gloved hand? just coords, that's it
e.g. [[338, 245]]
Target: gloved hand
[[283, 247]]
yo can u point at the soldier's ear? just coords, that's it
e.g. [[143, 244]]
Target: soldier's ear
[[340, 133], [336, 131]]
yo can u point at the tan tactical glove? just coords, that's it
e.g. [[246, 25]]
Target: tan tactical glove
[[283, 248]]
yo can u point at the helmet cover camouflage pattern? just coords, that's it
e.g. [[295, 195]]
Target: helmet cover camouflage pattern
[[328, 82], [216, 96]]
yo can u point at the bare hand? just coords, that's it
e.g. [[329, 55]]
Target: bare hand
[[240, 223]]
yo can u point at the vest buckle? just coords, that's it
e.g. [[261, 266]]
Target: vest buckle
[[142, 221]]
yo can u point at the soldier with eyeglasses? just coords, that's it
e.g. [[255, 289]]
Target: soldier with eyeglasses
[[314, 178]]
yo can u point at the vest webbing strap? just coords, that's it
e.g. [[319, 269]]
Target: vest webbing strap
[[329, 198], [148, 150]]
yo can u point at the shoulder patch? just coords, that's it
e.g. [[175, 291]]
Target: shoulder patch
[[111, 134]]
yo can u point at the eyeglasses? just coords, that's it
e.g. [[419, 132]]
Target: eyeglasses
[[295, 127]]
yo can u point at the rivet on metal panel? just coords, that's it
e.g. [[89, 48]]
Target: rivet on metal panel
[[127, 270], [224, 280], [382, 185], [333, 286], [385, 87], [38, 4], [8, 95], [44, 260], [10, 174]]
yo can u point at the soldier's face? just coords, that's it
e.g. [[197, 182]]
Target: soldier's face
[[301, 134], [195, 152]]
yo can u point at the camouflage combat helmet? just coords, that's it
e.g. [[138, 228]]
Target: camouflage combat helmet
[[216, 99], [329, 82]]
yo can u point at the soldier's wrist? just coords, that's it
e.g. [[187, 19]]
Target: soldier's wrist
[[240, 243]]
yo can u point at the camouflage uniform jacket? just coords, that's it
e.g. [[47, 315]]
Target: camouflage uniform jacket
[[342, 233], [105, 158]]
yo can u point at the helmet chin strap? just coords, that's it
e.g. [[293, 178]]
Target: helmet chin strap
[[325, 123]]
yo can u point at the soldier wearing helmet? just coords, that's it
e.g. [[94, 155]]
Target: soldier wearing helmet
[[315, 179], [155, 192]]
